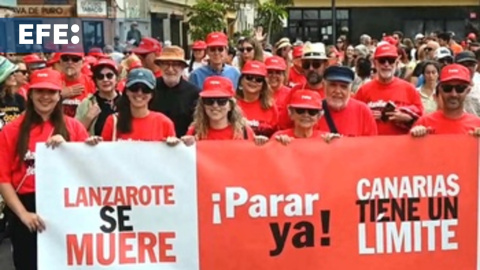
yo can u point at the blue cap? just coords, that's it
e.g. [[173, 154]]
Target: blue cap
[[339, 74], [141, 75]]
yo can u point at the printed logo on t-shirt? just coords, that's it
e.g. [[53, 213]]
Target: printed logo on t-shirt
[[70, 107], [379, 104], [253, 123], [8, 114], [29, 160]]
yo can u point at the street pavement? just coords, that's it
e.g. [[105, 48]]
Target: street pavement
[[5, 256]]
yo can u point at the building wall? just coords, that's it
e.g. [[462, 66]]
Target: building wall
[[385, 3]]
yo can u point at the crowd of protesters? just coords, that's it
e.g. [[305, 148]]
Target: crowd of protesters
[[290, 91]]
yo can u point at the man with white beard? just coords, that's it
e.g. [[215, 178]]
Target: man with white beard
[[341, 114], [395, 103], [174, 96], [77, 86]]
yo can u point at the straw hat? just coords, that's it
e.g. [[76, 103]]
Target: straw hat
[[172, 53]]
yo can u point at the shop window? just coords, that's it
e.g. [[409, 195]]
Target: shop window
[[295, 14], [412, 28], [457, 27], [310, 14], [434, 25], [325, 14], [92, 35]]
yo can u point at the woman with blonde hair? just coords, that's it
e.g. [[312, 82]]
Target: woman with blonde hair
[[255, 98], [250, 49], [217, 115]]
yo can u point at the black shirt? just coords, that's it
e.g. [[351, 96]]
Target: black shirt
[[10, 108], [177, 103], [107, 107]]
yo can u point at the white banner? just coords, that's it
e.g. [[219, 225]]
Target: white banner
[[130, 205]]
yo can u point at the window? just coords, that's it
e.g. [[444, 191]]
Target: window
[[310, 14], [412, 28], [325, 14], [342, 14], [432, 26], [92, 34], [295, 14], [457, 27]]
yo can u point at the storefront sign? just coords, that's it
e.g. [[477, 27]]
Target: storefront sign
[[43, 11], [92, 8]]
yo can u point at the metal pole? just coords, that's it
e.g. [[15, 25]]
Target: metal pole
[[334, 22]]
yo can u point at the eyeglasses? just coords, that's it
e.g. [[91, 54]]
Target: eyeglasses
[[68, 58], [102, 76], [459, 88], [315, 64], [216, 49], [24, 72], [140, 87], [384, 60], [247, 49], [257, 79], [211, 101], [174, 64], [275, 72], [311, 112]]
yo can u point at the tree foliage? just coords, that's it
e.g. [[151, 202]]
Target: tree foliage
[[270, 16], [207, 16]]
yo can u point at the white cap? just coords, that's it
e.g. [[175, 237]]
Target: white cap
[[419, 36], [442, 52], [314, 51]]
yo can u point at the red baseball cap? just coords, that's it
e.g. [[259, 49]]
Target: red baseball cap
[[297, 52], [105, 63], [307, 99], [199, 45], [254, 67], [55, 59], [91, 60], [386, 50], [217, 39], [390, 40], [217, 86], [73, 49], [455, 72], [32, 58], [135, 64], [148, 45], [276, 63], [46, 79]]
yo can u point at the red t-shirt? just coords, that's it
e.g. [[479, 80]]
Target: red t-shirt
[[284, 121], [223, 134], [317, 134], [263, 122], [376, 95], [354, 120], [12, 168], [23, 91], [154, 127], [121, 85], [280, 95], [296, 78], [443, 125], [70, 104]]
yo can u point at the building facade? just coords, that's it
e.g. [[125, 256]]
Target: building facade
[[312, 19]]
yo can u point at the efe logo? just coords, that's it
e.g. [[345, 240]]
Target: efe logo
[[59, 32]]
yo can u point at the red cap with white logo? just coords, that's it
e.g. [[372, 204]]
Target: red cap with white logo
[[217, 39], [455, 72], [306, 99], [48, 79], [217, 86], [254, 67], [276, 63], [386, 50]]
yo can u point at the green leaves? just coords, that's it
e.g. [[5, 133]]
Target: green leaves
[[206, 17], [271, 14]]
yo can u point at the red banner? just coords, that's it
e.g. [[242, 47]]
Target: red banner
[[363, 203]]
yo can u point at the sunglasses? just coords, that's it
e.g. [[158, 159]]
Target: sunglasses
[[102, 76], [428, 49], [314, 64], [211, 101], [140, 87], [216, 49], [256, 79], [311, 112], [389, 60], [246, 49], [24, 72], [460, 88], [67, 58]]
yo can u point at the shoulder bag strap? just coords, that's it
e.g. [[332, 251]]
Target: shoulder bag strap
[[328, 117], [245, 133], [114, 133]]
